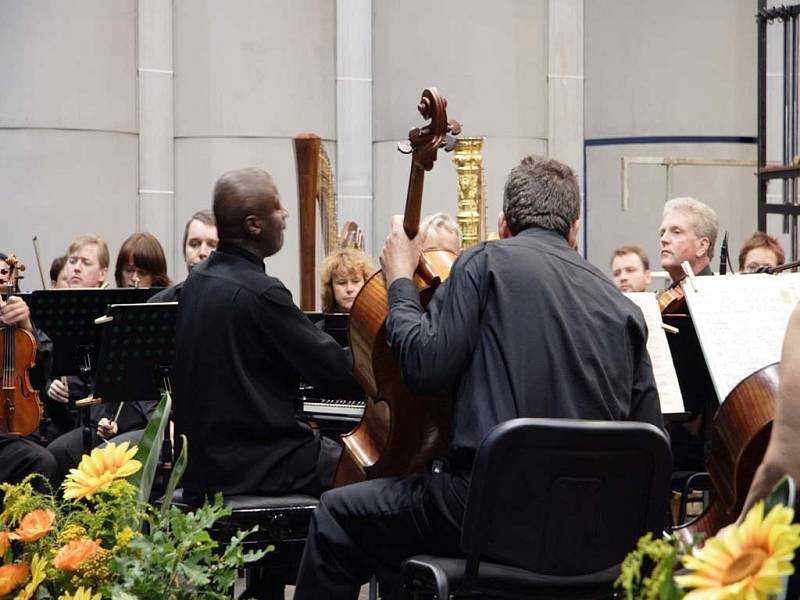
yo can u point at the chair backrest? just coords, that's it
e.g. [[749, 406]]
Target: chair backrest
[[566, 497]]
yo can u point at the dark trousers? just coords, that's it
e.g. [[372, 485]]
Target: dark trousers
[[19, 457], [370, 528]]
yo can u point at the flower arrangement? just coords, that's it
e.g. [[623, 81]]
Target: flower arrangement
[[747, 561], [100, 538]]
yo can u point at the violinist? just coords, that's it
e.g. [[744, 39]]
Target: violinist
[[506, 335], [21, 456], [688, 232], [760, 250], [242, 346], [630, 269]]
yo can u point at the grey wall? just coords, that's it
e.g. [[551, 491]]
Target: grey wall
[[68, 140], [680, 68], [489, 60]]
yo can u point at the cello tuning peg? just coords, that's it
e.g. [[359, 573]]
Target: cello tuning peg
[[404, 147], [454, 127]]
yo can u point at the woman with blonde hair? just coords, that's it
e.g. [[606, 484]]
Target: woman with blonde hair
[[342, 275]]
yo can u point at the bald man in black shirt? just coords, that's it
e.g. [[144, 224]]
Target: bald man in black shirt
[[242, 347], [523, 327]]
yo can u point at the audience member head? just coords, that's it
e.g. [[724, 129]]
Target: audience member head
[[87, 262], [342, 275], [630, 269], [249, 212], [199, 238], [760, 250], [541, 192], [141, 263], [443, 233], [688, 232], [58, 273]]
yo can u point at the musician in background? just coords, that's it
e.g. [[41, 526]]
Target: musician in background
[[688, 232], [242, 346], [630, 269], [444, 233], [87, 262], [342, 275], [58, 273], [507, 334], [199, 241], [141, 263], [760, 250]]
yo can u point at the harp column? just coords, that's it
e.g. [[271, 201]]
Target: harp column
[[354, 115], [156, 209]]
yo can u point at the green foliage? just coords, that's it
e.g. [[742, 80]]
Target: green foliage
[[179, 559], [150, 448], [658, 559]]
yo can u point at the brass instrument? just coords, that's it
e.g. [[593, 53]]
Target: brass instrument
[[471, 214]]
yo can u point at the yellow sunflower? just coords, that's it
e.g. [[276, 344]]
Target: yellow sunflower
[[80, 594], [99, 469], [38, 566], [744, 561]]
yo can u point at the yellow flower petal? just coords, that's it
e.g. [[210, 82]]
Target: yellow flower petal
[[99, 469]]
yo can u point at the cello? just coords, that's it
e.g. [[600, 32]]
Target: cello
[[20, 409], [400, 431], [742, 427]]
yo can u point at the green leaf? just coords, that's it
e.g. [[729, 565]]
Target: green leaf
[[150, 449], [779, 495], [177, 472]]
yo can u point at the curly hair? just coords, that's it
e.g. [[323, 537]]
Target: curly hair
[[347, 260], [541, 192], [761, 240]]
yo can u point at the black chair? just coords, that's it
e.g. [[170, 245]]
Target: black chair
[[554, 506], [282, 521]]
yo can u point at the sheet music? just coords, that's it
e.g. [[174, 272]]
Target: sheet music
[[740, 321], [669, 391]]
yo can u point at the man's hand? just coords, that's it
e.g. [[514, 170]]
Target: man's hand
[[106, 428], [58, 391], [400, 255], [16, 312]]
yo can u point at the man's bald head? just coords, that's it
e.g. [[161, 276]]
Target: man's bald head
[[248, 210]]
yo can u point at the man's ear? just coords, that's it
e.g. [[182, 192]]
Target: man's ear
[[572, 236], [648, 277], [702, 247], [252, 225], [103, 273], [503, 232]]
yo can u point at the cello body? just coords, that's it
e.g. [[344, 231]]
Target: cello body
[[400, 431], [742, 427]]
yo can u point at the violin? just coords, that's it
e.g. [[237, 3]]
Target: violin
[[672, 301], [20, 409], [742, 427], [400, 431]]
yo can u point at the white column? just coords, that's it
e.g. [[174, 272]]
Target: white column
[[565, 83], [354, 114], [156, 210]]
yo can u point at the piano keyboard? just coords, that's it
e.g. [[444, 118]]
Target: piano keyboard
[[345, 408]]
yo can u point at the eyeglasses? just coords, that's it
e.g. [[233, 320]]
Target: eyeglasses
[[131, 270]]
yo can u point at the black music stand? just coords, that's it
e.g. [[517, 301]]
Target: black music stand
[[136, 352], [136, 355], [67, 317], [335, 325]]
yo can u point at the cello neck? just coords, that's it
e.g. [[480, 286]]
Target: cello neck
[[413, 210]]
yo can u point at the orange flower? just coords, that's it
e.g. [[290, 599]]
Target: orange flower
[[71, 556], [12, 576], [4, 542], [34, 525]]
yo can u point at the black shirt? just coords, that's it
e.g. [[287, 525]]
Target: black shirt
[[242, 347], [524, 327]]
